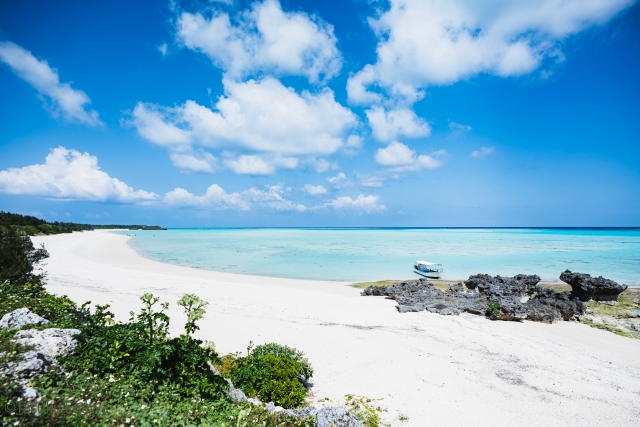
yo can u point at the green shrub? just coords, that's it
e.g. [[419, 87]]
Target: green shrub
[[270, 378], [46, 229], [493, 308], [80, 400], [61, 311], [129, 373], [142, 352], [305, 368], [18, 258]]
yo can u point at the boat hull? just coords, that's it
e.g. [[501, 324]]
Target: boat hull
[[428, 274]]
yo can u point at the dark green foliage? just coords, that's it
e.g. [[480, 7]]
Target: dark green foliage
[[123, 350], [18, 257], [283, 351], [133, 373], [270, 378], [493, 308], [32, 226], [115, 374], [60, 311], [84, 400]]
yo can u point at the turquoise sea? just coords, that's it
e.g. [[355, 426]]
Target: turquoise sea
[[376, 254]]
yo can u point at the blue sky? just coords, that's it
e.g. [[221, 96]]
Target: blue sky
[[351, 113]]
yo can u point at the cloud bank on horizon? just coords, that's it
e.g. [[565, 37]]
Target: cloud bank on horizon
[[293, 103]]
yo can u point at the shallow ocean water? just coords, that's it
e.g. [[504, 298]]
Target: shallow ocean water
[[379, 254]]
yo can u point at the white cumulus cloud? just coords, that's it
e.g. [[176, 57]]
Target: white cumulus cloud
[[361, 204], [322, 165], [199, 161], [258, 165], [339, 181], [62, 99], [437, 42], [482, 152], [389, 125], [71, 175], [263, 39], [314, 190], [216, 198], [256, 117], [401, 158]]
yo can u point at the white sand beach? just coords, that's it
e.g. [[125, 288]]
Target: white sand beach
[[436, 370]]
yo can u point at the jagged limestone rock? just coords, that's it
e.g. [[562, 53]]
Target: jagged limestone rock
[[46, 346], [589, 288], [330, 416], [336, 416], [21, 317], [519, 297], [51, 342]]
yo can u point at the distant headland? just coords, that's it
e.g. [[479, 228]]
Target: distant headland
[[32, 226]]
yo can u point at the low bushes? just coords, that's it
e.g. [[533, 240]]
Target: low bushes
[[305, 369], [118, 377], [270, 378], [134, 373]]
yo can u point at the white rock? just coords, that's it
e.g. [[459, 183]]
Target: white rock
[[21, 317], [51, 342], [29, 393]]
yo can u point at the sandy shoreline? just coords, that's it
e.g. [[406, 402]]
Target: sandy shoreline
[[436, 370]]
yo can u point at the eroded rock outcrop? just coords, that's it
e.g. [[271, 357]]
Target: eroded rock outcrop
[[500, 298], [45, 346], [21, 317], [51, 342], [589, 288]]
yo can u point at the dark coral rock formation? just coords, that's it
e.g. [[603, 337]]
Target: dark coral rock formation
[[589, 288], [519, 297]]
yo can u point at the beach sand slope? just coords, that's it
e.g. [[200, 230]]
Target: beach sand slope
[[436, 370]]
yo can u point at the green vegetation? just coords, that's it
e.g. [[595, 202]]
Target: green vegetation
[[18, 257], [278, 350], [624, 313], [194, 309], [380, 283], [363, 409], [623, 309], [442, 285], [134, 373], [494, 308], [32, 226], [269, 378], [610, 328]]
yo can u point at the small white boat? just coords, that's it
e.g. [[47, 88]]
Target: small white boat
[[428, 269]]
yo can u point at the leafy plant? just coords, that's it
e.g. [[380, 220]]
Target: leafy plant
[[59, 310], [362, 408], [129, 373], [270, 378], [18, 258], [194, 309], [305, 368], [494, 308], [156, 322]]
